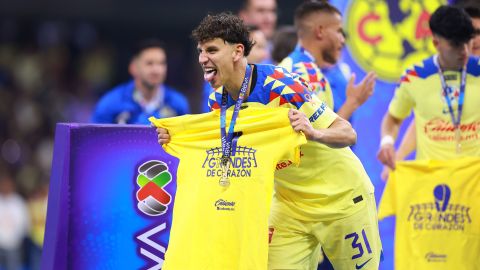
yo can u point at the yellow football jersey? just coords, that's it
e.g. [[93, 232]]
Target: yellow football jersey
[[420, 89], [437, 208], [302, 63], [328, 179], [226, 228]]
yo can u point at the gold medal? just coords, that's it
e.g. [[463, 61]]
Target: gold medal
[[224, 181]]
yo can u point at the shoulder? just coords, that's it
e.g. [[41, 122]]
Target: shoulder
[[285, 86], [420, 71], [473, 66], [173, 93], [119, 92]]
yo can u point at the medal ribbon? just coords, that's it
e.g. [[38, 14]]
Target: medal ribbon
[[227, 138], [463, 83]]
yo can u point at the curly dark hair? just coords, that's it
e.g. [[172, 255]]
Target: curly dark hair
[[225, 26], [453, 24]]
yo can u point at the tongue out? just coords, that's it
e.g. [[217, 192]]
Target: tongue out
[[208, 76]]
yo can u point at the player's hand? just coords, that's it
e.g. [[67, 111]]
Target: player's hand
[[386, 155], [300, 122], [385, 173], [163, 136], [359, 93]]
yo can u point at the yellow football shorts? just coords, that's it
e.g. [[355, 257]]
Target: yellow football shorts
[[352, 242]]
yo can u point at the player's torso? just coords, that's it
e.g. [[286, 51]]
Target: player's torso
[[436, 135], [327, 178], [302, 64]]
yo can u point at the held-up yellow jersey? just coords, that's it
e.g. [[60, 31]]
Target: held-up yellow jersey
[[302, 63], [420, 89], [226, 228], [437, 208], [326, 182]]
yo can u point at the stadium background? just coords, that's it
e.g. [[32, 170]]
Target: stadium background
[[57, 58]]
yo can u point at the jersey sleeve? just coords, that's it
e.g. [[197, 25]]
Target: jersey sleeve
[[287, 64], [402, 102], [299, 96]]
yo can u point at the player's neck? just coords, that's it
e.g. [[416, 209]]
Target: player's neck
[[313, 50], [233, 87], [444, 65], [147, 92]]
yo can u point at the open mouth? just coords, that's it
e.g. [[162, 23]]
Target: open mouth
[[209, 73]]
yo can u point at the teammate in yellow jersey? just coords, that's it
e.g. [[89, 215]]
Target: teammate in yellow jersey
[[442, 92], [408, 144], [328, 199], [320, 43]]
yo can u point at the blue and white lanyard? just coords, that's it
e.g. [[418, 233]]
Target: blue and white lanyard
[[227, 138], [463, 83]]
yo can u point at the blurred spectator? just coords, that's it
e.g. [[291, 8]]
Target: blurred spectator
[[284, 41], [14, 223], [37, 206], [259, 52], [144, 96], [474, 13], [262, 13]]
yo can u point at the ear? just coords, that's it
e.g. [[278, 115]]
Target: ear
[[238, 52], [319, 31], [435, 41], [132, 68]]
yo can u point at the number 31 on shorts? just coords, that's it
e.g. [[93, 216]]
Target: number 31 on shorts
[[359, 245]]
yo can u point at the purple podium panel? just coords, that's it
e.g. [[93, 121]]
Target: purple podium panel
[[111, 198]]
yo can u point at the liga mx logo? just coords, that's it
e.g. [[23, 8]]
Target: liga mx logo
[[442, 197], [152, 178]]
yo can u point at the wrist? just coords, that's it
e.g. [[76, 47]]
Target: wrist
[[353, 103], [387, 140]]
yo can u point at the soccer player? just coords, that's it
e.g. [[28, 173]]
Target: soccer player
[[474, 13], [258, 54], [261, 13], [144, 96], [329, 198], [442, 92], [408, 144], [320, 41]]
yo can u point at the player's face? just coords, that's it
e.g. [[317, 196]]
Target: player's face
[[263, 14], [334, 39], [217, 60], [259, 51], [150, 67], [475, 42], [451, 56]]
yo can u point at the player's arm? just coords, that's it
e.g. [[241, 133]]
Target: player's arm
[[338, 135], [408, 144], [389, 132], [357, 94]]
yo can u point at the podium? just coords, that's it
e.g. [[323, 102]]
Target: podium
[[111, 198]]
